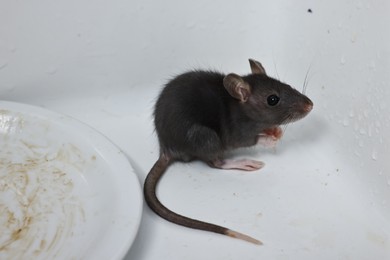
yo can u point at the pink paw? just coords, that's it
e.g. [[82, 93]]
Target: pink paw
[[269, 137], [244, 164]]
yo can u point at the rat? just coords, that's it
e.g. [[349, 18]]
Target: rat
[[200, 115]]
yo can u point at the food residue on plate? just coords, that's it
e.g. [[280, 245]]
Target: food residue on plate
[[38, 206]]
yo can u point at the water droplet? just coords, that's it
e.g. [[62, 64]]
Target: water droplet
[[362, 131], [374, 155], [190, 25], [345, 122], [354, 38], [361, 143], [370, 131], [342, 60], [372, 65], [221, 21], [351, 113], [365, 113], [380, 173]]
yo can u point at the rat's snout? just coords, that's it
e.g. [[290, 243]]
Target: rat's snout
[[308, 105]]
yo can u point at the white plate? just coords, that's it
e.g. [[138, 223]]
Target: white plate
[[66, 192]]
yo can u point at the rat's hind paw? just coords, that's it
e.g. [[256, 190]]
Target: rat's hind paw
[[244, 164]]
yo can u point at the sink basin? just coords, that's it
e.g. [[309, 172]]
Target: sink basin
[[324, 192]]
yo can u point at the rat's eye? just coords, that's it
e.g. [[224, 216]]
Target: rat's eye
[[273, 100]]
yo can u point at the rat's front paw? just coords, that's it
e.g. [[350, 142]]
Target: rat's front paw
[[269, 137], [267, 141], [274, 132]]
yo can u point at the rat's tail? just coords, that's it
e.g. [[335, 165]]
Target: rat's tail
[[153, 202]]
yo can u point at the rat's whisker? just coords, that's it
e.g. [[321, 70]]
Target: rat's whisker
[[276, 69], [288, 120], [306, 81], [285, 127]]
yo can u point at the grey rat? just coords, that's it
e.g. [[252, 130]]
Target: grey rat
[[203, 114]]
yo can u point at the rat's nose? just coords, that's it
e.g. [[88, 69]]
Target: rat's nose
[[308, 105]]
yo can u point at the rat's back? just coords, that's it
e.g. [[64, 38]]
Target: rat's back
[[195, 98]]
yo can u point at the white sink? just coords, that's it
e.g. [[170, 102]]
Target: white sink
[[325, 190]]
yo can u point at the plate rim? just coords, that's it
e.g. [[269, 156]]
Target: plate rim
[[93, 135]]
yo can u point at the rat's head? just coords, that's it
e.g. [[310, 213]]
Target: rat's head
[[266, 99]]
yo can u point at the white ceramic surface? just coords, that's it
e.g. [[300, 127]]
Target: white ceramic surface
[[65, 191], [325, 190]]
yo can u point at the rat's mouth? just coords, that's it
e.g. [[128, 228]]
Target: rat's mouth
[[298, 114], [293, 117]]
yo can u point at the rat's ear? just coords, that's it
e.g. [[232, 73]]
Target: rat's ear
[[256, 67], [237, 87]]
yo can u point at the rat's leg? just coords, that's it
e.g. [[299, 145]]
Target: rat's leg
[[269, 137], [204, 143], [243, 164]]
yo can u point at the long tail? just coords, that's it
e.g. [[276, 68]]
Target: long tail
[[153, 202]]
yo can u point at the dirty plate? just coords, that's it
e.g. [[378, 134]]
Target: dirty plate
[[66, 192]]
